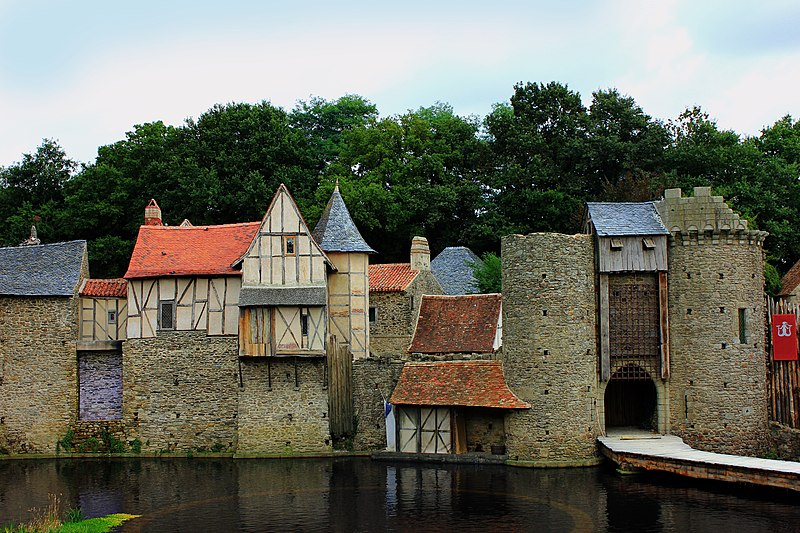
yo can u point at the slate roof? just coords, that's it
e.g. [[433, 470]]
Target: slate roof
[[455, 383], [105, 288], [391, 277], [790, 280], [42, 270], [190, 250], [336, 231], [453, 271], [457, 324], [625, 218]]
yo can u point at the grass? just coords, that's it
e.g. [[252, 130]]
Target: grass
[[49, 520]]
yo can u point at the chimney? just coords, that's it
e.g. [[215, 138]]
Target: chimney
[[152, 214], [420, 254]]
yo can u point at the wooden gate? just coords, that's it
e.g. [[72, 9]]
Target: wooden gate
[[340, 389]]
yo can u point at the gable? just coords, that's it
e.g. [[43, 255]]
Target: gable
[[283, 252]]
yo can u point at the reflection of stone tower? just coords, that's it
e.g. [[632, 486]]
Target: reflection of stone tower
[[716, 307], [348, 287]]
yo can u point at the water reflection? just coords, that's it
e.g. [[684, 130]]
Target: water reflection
[[361, 495]]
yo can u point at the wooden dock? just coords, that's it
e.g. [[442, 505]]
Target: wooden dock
[[667, 453]]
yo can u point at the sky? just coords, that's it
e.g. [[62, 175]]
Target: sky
[[84, 72]]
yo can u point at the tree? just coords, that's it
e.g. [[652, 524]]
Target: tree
[[33, 191], [488, 273]]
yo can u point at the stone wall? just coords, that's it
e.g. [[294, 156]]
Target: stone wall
[[283, 406], [397, 312], [718, 397], [550, 347], [484, 428], [100, 387], [374, 379], [180, 391], [785, 441], [38, 372]]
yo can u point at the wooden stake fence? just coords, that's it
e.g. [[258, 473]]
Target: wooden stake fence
[[340, 388], [784, 376]]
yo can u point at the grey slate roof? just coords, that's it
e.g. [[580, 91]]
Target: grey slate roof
[[41, 270], [453, 272], [282, 296], [336, 231], [625, 218]]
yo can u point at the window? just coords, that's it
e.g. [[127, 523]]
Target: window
[[112, 317], [166, 314], [616, 244], [373, 315], [304, 324], [648, 243], [742, 326], [289, 245]]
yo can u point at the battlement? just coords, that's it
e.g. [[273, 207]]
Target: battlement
[[704, 219]]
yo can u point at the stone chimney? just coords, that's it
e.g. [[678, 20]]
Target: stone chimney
[[152, 214], [33, 240], [420, 254]]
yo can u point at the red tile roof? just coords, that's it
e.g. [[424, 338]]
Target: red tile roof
[[391, 277], [190, 251], [105, 288], [455, 383], [791, 280], [457, 324]]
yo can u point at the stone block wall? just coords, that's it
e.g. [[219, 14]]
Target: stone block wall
[[38, 372], [484, 428], [180, 391], [550, 347], [100, 388], [397, 312], [283, 406], [718, 397], [374, 379], [785, 441]]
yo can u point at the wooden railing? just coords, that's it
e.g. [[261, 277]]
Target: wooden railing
[[783, 377]]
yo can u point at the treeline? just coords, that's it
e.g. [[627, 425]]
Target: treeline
[[529, 165]]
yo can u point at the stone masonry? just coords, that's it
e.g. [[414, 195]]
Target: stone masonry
[[283, 406], [181, 391], [718, 397], [550, 347], [38, 372], [374, 379]]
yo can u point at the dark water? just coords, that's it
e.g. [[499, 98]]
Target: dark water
[[362, 495]]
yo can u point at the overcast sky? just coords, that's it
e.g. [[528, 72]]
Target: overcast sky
[[84, 72]]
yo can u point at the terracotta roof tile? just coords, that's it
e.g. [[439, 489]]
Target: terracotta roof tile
[[457, 324], [455, 383], [190, 251], [391, 277], [791, 280], [108, 288]]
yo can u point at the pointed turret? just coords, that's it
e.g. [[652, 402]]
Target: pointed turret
[[336, 231]]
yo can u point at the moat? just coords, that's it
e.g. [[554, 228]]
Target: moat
[[357, 494]]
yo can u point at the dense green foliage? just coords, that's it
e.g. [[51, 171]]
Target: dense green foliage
[[529, 165], [488, 273]]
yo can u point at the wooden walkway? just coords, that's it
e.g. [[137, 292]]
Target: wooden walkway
[[667, 453]]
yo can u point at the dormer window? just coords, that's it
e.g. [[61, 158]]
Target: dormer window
[[289, 245]]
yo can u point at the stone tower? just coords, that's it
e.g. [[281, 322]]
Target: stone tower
[[348, 287], [718, 397], [550, 348]]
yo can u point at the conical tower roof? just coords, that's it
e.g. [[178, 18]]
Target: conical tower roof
[[336, 231]]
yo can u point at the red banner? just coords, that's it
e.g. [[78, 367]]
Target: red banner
[[784, 337]]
